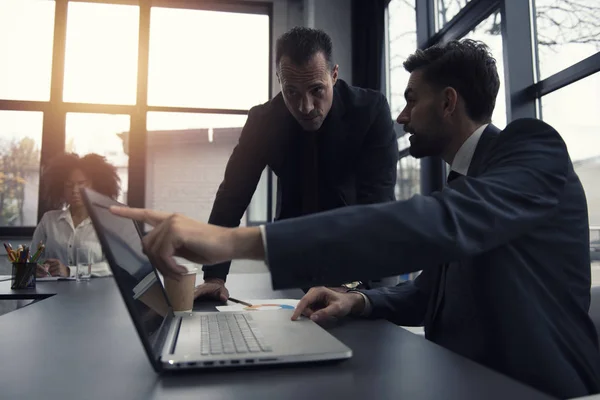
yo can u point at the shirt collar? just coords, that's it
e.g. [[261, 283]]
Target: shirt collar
[[464, 155], [66, 215]]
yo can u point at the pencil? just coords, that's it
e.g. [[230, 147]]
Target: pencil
[[240, 302]]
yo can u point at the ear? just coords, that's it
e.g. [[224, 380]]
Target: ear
[[450, 101], [278, 79], [334, 73]]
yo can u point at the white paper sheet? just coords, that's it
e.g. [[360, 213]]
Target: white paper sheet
[[54, 278], [261, 305]]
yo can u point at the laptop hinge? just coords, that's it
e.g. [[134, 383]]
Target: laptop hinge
[[165, 339]]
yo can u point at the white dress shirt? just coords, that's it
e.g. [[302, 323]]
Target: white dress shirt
[[464, 155], [61, 238]]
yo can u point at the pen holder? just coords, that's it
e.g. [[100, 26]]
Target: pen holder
[[23, 275]]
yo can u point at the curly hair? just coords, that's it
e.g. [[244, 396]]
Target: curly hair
[[468, 67], [102, 175]]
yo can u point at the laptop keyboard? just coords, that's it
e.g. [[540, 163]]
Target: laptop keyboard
[[226, 333]]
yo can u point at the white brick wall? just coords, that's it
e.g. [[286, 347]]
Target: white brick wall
[[184, 170]]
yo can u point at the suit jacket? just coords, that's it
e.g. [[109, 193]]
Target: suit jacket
[[504, 254], [357, 157]]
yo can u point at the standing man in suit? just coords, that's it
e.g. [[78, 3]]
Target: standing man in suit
[[330, 144], [503, 249]]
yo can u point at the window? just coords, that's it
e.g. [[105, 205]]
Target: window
[[26, 32], [101, 53], [402, 42], [186, 158], [489, 32], [102, 134], [197, 60], [20, 141], [408, 178], [573, 112], [567, 32], [445, 10], [579, 125]]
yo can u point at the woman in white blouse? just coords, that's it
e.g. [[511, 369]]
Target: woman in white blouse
[[68, 227]]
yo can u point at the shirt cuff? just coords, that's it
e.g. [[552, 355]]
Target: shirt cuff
[[263, 235], [367, 310]]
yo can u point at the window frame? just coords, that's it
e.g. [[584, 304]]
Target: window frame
[[55, 110], [519, 36]]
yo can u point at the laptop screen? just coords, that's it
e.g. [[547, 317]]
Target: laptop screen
[[137, 279]]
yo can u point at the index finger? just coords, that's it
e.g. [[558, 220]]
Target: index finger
[[309, 298], [140, 214]]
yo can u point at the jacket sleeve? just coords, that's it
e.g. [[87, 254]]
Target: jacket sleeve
[[521, 187], [405, 304], [376, 170], [242, 174]]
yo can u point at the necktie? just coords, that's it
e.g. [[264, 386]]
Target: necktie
[[452, 176], [444, 267], [310, 175]]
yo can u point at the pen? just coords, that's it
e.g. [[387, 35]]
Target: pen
[[38, 253], [240, 302], [47, 272]]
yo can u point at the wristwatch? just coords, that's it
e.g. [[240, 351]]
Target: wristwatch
[[351, 285]]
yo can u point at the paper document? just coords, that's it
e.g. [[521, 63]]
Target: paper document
[[261, 305], [54, 278]]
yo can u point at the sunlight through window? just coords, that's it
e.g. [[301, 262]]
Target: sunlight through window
[[208, 59], [26, 33], [101, 53]]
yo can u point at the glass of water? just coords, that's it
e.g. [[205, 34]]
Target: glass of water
[[83, 258]]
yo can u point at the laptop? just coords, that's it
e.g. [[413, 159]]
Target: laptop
[[199, 339]]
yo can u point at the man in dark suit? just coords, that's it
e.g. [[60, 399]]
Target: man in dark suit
[[330, 144], [503, 249]]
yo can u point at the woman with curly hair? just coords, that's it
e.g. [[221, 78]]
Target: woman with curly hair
[[68, 227]]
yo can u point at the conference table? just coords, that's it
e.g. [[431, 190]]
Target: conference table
[[77, 341]]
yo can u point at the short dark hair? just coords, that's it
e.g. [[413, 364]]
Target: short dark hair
[[300, 44], [468, 67], [103, 176]]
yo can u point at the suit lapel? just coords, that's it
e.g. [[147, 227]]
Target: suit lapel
[[487, 139]]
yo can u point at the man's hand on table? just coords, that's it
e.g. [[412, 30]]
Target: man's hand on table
[[212, 288], [175, 235], [322, 304]]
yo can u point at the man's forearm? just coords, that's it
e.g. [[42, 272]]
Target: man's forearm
[[247, 244]]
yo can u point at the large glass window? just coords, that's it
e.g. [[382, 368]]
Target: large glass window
[[208, 59], [489, 32], [20, 142], [103, 134], [26, 32], [573, 112], [567, 32], [101, 53], [445, 10], [196, 61]]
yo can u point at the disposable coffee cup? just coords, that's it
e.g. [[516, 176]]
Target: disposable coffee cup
[[181, 293]]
